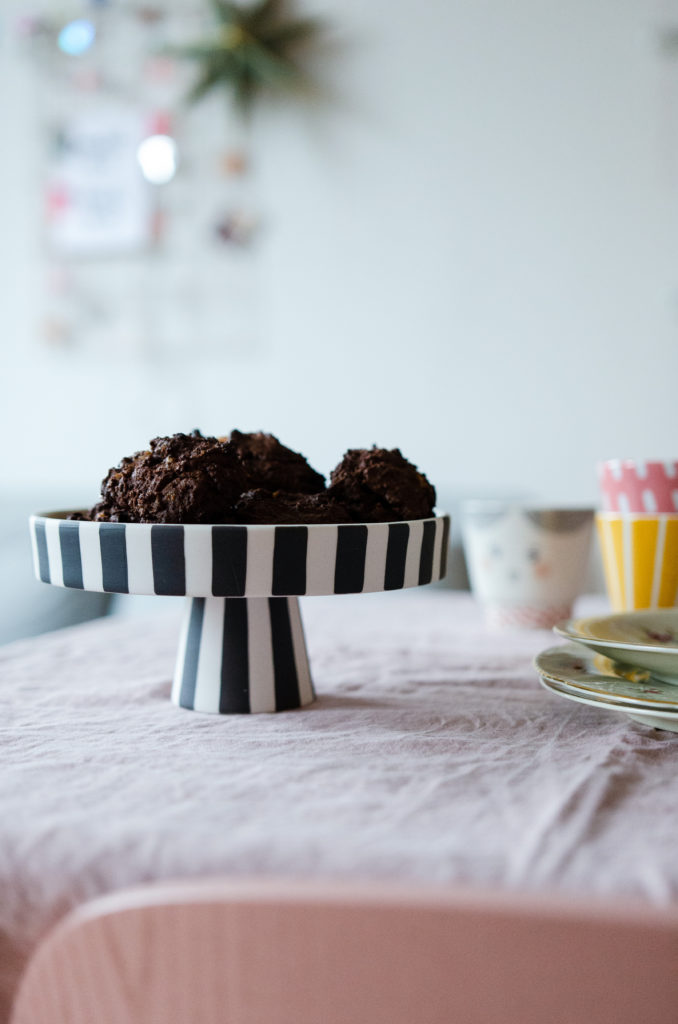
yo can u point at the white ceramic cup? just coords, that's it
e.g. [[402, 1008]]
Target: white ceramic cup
[[527, 564]]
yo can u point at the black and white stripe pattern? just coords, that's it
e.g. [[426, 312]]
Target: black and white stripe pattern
[[241, 656], [242, 648], [239, 561]]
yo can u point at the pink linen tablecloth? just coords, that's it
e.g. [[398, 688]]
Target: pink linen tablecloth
[[431, 754]]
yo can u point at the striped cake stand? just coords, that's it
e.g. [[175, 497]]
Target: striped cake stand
[[242, 646]]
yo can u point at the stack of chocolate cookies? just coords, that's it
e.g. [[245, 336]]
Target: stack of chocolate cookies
[[253, 478]]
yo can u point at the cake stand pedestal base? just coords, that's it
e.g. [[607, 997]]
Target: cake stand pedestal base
[[242, 655]]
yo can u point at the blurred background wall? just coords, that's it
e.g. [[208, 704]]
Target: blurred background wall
[[465, 248]]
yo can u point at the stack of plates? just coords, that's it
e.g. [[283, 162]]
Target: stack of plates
[[626, 662]]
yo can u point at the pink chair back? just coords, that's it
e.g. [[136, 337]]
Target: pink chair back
[[262, 952]]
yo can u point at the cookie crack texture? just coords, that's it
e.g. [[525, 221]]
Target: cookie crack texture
[[381, 485], [253, 478]]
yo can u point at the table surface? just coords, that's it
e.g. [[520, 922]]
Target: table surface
[[431, 754]]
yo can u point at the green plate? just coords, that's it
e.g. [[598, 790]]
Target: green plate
[[653, 719], [644, 639], [578, 674]]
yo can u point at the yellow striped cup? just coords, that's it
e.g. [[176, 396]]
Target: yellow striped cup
[[640, 559]]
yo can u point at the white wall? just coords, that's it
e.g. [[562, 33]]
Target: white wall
[[470, 252]]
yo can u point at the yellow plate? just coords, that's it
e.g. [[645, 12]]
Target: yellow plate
[[643, 639]]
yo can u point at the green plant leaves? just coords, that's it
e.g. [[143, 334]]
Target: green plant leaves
[[251, 52]]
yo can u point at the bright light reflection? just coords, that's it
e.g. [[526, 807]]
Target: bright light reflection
[[157, 156], [76, 37]]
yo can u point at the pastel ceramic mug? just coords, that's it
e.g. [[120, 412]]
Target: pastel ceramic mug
[[640, 486], [526, 564], [640, 559]]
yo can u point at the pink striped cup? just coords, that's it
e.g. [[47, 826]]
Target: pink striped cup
[[639, 486]]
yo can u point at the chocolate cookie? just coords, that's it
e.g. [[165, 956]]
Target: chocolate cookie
[[270, 465], [186, 478], [378, 485], [261, 506]]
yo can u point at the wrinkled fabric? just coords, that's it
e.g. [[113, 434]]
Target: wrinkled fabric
[[432, 754]]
